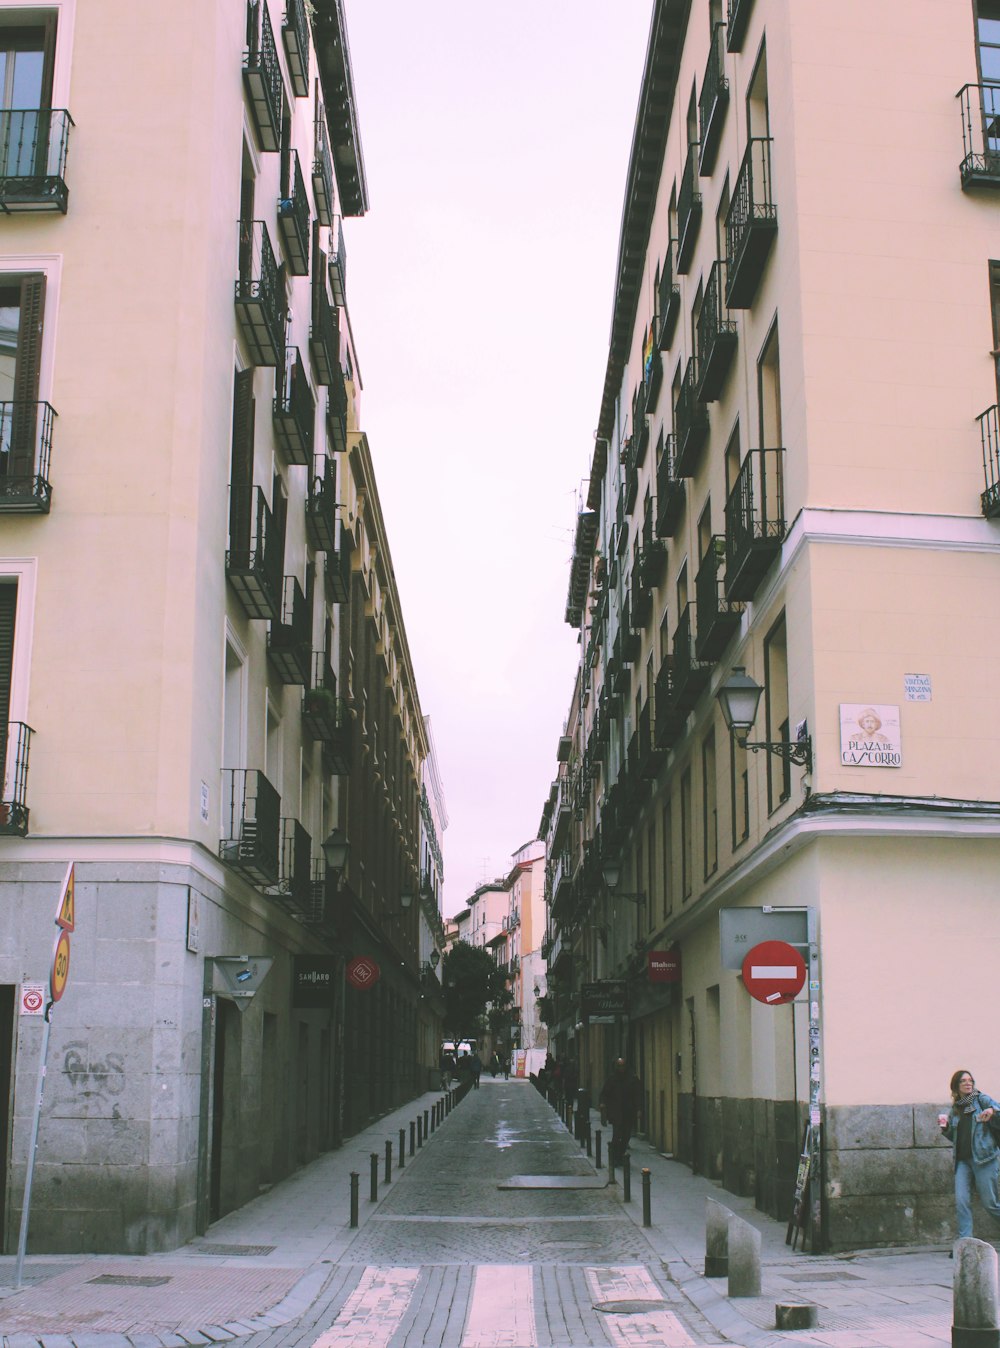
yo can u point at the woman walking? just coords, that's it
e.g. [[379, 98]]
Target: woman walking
[[977, 1158]]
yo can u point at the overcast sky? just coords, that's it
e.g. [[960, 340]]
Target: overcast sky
[[496, 139]]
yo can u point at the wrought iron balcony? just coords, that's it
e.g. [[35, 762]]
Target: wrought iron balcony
[[260, 295], [338, 264], [338, 569], [640, 597], [668, 300], [989, 430], [324, 333], [690, 421], [652, 563], [631, 640], [980, 166], [336, 414], [255, 557], [322, 170], [668, 721], [736, 28], [251, 825], [325, 716], [294, 413], [293, 218], [321, 506], [718, 617], [690, 675], [289, 641], [15, 744], [295, 35], [713, 102], [295, 879], [262, 76], [688, 211], [33, 146], [653, 374], [755, 521], [751, 225], [717, 336], [670, 492], [25, 450]]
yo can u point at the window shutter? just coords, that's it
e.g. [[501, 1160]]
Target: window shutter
[[241, 475], [8, 608], [27, 370]]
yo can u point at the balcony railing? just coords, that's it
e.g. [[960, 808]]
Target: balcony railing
[[260, 295], [338, 264], [324, 333], [688, 211], [321, 506], [668, 300], [736, 28], [630, 639], [338, 569], [652, 563], [33, 146], [295, 879], [989, 430], [262, 76], [653, 373], [755, 521], [713, 102], [751, 224], [690, 675], [25, 450], [691, 422], [670, 493], [322, 170], [717, 336], [295, 35], [980, 166], [289, 641], [251, 825], [294, 413], [15, 744], [254, 560], [718, 617], [336, 413], [293, 218], [668, 721], [325, 718]]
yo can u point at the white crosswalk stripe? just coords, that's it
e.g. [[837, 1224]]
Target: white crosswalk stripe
[[371, 1314], [655, 1326], [501, 1312]]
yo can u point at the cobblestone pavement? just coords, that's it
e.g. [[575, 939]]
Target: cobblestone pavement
[[444, 1258]]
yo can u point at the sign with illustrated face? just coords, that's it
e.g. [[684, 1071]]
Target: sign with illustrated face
[[869, 735]]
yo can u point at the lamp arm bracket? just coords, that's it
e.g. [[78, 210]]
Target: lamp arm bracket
[[799, 752]]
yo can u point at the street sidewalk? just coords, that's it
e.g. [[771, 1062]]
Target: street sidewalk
[[273, 1261]]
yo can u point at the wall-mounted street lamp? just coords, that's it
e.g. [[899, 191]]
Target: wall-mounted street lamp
[[435, 958], [739, 697], [612, 875], [336, 850], [405, 900]]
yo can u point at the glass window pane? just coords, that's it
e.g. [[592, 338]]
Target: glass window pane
[[990, 61], [27, 85]]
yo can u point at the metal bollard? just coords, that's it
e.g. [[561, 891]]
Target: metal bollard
[[426, 1118], [355, 1181], [647, 1206], [373, 1161], [612, 1178], [447, 1103], [402, 1147], [413, 1135], [590, 1148], [597, 1148], [388, 1160], [627, 1179], [420, 1132], [433, 1119]]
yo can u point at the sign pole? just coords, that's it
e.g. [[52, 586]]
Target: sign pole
[[815, 1095], [22, 1240]]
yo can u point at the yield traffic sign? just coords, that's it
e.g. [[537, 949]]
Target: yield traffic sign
[[774, 972], [66, 914]]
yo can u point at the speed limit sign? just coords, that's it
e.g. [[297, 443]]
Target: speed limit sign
[[60, 966]]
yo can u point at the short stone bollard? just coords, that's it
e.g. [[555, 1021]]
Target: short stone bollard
[[716, 1239], [795, 1315], [744, 1259], [976, 1316]]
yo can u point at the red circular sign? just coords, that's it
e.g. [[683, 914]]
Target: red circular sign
[[774, 972], [363, 972], [33, 1000]]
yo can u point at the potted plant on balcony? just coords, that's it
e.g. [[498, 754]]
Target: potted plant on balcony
[[320, 701]]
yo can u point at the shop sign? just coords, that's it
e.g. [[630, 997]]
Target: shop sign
[[363, 973], [664, 965], [607, 998], [314, 980]]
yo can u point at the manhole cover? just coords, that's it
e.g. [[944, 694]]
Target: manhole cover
[[236, 1249], [124, 1280], [630, 1307], [823, 1277]]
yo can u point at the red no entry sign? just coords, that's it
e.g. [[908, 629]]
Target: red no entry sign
[[363, 972], [774, 972]]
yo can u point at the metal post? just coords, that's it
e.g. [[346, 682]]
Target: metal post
[[22, 1240], [815, 1092], [413, 1135], [420, 1132], [402, 1147], [627, 1179], [597, 1148], [647, 1206], [426, 1117], [373, 1163], [388, 1160], [590, 1149], [611, 1166], [434, 1114], [355, 1181]]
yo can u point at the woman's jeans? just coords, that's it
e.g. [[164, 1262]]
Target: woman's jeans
[[983, 1178]]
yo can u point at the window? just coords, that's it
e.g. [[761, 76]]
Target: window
[[22, 309], [720, 220], [769, 393], [732, 460], [705, 531], [666, 870], [988, 41], [739, 785], [709, 804], [995, 306], [758, 120], [27, 57], [664, 635], [687, 830], [779, 770]]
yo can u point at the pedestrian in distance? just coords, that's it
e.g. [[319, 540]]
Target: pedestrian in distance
[[621, 1106], [494, 1064], [968, 1125], [505, 1065], [476, 1068]]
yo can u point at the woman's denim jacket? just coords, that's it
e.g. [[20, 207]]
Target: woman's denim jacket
[[984, 1146]]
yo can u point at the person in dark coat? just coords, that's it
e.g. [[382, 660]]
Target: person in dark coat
[[621, 1106], [476, 1068]]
